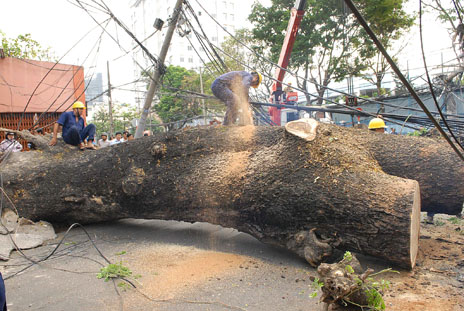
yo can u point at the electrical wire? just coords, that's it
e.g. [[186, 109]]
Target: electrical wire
[[187, 4], [379, 45], [116, 41], [98, 42], [137, 46], [457, 11], [261, 57], [429, 80]]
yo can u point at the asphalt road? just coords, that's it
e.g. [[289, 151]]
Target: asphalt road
[[182, 266]]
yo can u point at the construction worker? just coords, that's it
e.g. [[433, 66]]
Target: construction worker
[[74, 130], [377, 125], [232, 89]]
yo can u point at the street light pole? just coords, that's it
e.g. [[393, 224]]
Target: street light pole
[[154, 84]]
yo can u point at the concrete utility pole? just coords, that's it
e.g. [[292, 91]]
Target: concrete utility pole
[[202, 100], [154, 84], [110, 104]]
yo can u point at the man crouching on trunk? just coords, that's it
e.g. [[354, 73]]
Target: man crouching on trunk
[[74, 130], [232, 89]]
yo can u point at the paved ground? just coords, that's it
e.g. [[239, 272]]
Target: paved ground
[[182, 266], [199, 266]]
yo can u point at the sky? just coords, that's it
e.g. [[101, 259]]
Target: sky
[[59, 24]]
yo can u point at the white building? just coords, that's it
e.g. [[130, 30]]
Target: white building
[[185, 49], [229, 14]]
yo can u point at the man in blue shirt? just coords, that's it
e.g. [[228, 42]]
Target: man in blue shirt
[[74, 130], [232, 89], [2, 294]]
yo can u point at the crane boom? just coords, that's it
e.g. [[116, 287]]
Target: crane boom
[[296, 16]]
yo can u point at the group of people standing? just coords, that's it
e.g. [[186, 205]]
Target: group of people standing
[[117, 139]]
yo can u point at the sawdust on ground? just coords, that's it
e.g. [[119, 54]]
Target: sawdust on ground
[[168, 270], [436, 283]]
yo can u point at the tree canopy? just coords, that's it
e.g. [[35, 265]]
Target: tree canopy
[[173, 105], [389, 22], [122, 117], [328, 46], [24, 47]]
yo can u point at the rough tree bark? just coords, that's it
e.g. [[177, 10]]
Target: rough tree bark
[[264, 181], [430, 161]]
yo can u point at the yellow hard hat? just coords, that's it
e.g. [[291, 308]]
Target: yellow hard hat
[[78, 105], [260, 79], [376, 123]]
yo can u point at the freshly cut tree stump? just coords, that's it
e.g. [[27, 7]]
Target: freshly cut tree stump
[[307, 196]]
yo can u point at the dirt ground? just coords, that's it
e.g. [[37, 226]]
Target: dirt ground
[[437, 281]]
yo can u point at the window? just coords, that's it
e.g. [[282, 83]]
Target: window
[[231, 5], [224, 15], [182, 59], [190, 59], [189, 48], [214, 38], [224, 3], [231, 17]]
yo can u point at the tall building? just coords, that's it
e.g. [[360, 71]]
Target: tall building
[[228, 13], [94, 93], [185, 49]]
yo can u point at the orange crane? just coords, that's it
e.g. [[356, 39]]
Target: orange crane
[[296, 16]]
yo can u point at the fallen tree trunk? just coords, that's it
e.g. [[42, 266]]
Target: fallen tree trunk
[[432, 162], [277, 187]]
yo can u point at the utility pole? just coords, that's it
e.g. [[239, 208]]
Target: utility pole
[[202, 100], [154, 84], [110, 104]]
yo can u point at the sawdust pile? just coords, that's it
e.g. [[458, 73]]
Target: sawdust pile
[[168, 270]]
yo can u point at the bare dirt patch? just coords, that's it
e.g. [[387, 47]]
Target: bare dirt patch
[[437, 282]]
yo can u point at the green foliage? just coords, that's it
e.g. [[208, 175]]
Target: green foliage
[[349, 269], [348, 257], [25, 47], [114, 271], [316, 285], [330, 44], [446, 11], [174, 106], [375, 299], [420, 132], [372, 288], [121, 253], [439, 223], [321, 46], [454, 220], [122, 117], [389, 21]]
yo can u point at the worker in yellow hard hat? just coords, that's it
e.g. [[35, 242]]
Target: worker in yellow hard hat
[[232, 89], [74, 130], [377, 125]]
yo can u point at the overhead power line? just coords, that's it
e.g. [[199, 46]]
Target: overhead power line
[[400, 75]]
